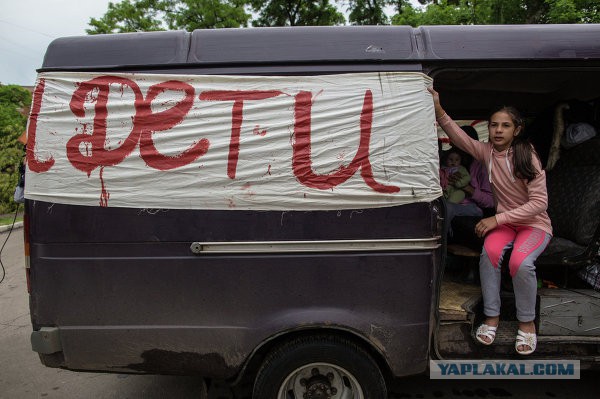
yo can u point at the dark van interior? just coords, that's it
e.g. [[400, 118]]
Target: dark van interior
[[568, 98], [554, 96]]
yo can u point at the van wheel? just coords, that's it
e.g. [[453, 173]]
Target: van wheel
[[319, 367]]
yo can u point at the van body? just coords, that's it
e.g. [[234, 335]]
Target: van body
[[260, 296]]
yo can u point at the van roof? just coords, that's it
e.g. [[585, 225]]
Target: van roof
[[532, 67], [355, 44]]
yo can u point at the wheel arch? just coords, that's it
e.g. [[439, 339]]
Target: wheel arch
[[256, 358]]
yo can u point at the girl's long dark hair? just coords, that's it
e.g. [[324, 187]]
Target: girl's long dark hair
[[523, 151]]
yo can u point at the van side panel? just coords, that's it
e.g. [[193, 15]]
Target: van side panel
[[128, 294]]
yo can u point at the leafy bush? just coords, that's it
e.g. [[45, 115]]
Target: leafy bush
[[13, 101]]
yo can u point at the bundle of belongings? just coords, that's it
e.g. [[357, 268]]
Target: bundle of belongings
[[577, 133]]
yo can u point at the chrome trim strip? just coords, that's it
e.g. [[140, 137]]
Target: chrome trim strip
[[417, 244]]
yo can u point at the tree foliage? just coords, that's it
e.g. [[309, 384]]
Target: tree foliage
[[202, 14], [296, 13], [367, 12], [491, 12], [148, 15], [129, 16], [573, 11], [13, 100], [153, 15]]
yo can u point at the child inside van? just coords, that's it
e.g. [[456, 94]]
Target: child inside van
[[453, 187], [521, 222]]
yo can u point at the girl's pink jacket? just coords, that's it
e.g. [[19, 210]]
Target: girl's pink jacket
[[517, 202]]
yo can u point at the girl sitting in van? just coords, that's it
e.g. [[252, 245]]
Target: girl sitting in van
[[521, 222]]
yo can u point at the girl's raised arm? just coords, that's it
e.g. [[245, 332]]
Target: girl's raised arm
[[454, 132]]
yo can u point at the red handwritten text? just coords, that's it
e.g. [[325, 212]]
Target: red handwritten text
[[146, 123], [238, 97], [34, 164], [302, 160]]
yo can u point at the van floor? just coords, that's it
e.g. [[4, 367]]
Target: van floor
[[456, 299]]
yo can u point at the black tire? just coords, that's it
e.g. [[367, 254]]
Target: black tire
[[341, 366]]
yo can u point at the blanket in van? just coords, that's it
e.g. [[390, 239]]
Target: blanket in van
[[324, 142]]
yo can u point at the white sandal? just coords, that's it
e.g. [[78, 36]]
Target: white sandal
[[525, 339], [486, 331]]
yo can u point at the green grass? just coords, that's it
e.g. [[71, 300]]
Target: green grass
[[4, 220]]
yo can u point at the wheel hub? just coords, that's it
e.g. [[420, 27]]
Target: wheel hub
[[318, 386]]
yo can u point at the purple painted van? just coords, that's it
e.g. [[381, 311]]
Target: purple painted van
[[248, 283]]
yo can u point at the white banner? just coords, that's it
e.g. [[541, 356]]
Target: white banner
[[232, 142]]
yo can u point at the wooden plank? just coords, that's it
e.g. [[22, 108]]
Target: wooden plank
[[453, 297]]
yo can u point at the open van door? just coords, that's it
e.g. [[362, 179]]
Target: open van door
[[551, 74]]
